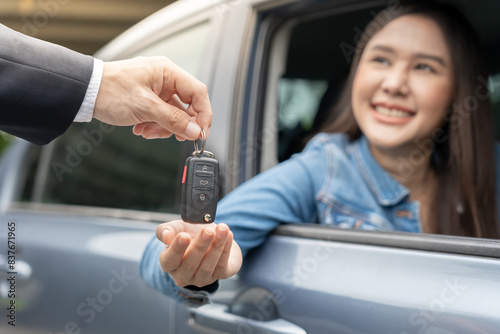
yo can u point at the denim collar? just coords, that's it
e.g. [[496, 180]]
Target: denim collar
[[387, 190]]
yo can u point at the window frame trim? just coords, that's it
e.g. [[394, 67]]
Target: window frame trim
[[93, 211], [447, 244]]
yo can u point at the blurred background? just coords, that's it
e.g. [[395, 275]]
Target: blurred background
[[81, 25]]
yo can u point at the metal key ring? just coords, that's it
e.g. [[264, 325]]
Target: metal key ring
[[207, 153], [197, 150]]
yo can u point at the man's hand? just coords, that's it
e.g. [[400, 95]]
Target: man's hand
[[150, 93], [198, 254]]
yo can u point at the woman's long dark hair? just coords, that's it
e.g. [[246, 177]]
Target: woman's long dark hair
[[464, 150]]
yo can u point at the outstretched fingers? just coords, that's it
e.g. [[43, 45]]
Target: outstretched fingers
[[167, 232], [193, 257], [205, 273], [172, 256], [196, 254], [223, 269]]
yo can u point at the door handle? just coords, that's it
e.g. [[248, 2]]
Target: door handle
[[216, 317]]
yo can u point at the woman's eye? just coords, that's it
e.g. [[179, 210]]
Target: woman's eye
[[381, 60], [425, 67]]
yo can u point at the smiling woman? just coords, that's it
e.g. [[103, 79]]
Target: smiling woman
[[426, 63], [400, 95], [398, 84]]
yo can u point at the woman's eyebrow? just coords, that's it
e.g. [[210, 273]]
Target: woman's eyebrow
[[383, 48], [431, 57], [418, 55]]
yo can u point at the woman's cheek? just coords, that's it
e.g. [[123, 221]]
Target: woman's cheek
[[432, 96], [361, 88]]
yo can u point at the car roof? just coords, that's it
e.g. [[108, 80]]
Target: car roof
[[149, 28]]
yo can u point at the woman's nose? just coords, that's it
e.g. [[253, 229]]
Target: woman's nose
[[396, 82]]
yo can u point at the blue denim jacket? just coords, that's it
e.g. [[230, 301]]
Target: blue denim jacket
[[333, 181]]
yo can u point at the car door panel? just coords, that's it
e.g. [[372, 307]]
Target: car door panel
[[83, 277], [323, 282], [338, 287]]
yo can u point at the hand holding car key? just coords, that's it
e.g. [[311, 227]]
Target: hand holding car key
[[198, 251], [200, 191]]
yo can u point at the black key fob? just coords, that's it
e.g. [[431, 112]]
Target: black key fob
[[200, 190]]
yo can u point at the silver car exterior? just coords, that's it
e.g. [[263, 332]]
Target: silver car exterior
[[79, 213]]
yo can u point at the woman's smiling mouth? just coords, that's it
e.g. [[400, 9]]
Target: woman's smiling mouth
[[391, 114]]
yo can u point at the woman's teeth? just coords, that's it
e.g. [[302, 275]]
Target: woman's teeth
[[392, 112]]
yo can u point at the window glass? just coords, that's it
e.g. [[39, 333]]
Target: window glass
[[298, 101], [100, 165], [315, 68], [28, 174], [494, 89], [93, 164]]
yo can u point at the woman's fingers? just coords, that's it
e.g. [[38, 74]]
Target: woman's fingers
[[195, 254], [222, 267], [193, 257], [205, 273], [166, 232], [172, 256]]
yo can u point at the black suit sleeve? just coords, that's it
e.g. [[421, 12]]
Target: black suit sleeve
[[42, 86]]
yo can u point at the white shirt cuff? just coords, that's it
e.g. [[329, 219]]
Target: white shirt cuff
[[86, 111]]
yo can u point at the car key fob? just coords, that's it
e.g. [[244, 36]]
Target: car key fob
[[200, 190]]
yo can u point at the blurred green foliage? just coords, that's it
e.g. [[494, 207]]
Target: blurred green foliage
[[5, 140]]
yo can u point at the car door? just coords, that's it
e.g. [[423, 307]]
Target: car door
[[79, 212], [327, 280]]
